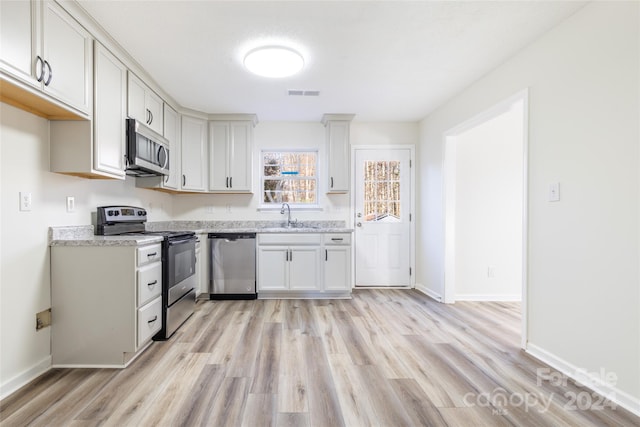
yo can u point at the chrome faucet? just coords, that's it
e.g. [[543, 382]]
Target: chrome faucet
[[288, 213]]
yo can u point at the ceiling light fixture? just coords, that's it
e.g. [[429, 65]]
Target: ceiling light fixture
[[273, 61]]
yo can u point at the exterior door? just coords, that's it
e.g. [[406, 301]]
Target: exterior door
[[382, 209]]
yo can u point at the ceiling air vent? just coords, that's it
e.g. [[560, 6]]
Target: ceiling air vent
[[293, 92]]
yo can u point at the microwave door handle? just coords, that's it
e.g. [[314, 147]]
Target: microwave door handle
[[166, 157]]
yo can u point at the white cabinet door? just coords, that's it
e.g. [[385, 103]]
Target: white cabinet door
[[338, 156], [109, 113], [231, 156], [273, 268], [68, 58], [155, 109], [337, 271], [19, 26], [218, 161], [135, 98], [241, 156], [194, 154], [303, 268], [172, 133], [144, 105]]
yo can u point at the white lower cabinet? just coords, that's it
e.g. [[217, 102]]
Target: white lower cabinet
[[105, 303], [337, 262], [298, 265]]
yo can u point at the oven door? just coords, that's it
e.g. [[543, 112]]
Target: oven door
[[181, 277]]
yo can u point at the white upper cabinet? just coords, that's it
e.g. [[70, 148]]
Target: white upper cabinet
[[95, 148], [194, 154], [172, 133], [144, 105], [231, 155], [18, 23], [109, 113], [338, 151], [43, 46]]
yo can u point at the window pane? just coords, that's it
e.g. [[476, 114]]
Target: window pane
[[289, 177], [381, 191]]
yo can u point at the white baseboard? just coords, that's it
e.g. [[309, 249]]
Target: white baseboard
[[25, 377], [594, 382], [472, 297], [428, 292]]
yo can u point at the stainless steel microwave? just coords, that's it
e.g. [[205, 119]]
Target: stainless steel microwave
[[147, 151]]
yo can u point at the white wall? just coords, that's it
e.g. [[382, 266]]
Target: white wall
[[24, 254], [583, 280], [488, 208]]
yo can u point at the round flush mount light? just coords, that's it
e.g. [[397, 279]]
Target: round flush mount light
[[273, 61]]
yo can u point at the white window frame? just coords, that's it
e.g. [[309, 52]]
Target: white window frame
[[294, 206]]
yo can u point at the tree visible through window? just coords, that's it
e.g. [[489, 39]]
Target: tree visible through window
[[289, 177], [382, 191]]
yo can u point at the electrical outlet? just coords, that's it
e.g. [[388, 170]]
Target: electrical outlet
[[43, 319], [491, 271], [25, 201], [71, 204]]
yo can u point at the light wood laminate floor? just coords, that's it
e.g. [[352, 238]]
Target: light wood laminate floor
[[384, 358]]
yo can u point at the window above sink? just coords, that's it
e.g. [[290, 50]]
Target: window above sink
[[289, 176]]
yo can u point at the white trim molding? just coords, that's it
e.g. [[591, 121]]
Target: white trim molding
[[591, 381], [488, 298], [25, 377], [428, 292]]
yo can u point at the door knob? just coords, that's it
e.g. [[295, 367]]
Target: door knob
[[359, 224]]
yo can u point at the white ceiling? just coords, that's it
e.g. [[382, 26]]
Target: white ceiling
[[381, 60]]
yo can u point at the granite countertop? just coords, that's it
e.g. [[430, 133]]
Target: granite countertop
[[251, 226], [84, 235]]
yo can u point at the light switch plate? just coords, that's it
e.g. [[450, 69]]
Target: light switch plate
[[554, 192], [71, 204]]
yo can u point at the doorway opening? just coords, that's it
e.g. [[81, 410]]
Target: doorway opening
[[485, 176]]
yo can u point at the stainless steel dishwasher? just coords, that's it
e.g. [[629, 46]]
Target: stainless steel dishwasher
[[232, 261]]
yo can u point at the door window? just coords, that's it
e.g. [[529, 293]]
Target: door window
[[382, 191]]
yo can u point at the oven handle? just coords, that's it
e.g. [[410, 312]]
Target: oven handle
[[182, 241]]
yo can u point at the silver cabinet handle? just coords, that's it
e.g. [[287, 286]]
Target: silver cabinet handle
[[326, 255], [230, 182], [152, 254], [41, 61], [227, 185], [331, 182], [151, 284], [50, 73], [153, 320], [337, 239], [184, 180]]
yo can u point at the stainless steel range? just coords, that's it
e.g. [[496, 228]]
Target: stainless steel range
[[178, 262]]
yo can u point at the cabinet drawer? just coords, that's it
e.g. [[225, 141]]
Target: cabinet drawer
[[149, 320], [337, 239], [149, 254], [149, 282], [288, 239]]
